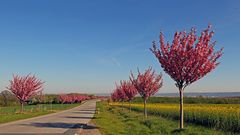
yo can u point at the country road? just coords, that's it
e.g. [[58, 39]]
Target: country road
[[66, 122]]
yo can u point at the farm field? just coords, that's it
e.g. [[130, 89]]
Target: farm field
[[191, 100], [12, 113], [219, 116], [114, 120]]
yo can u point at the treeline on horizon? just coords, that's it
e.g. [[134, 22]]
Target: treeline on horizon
[[9, 99], [191, 100]]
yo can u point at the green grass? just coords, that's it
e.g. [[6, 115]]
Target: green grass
[[40, 107], [8, 114], [115, 121]]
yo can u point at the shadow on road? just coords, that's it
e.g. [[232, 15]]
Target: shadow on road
[[63, 125], [85, 112], [76, 117], [88, 110]]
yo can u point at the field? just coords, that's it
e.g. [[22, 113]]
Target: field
[[191, 100], [12, 113], [219, 116], [112, 120]]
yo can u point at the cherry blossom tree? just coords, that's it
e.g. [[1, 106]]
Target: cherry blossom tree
[[72, 98], [147, 84], [24, 87], [187, 59], [121, 96], [114, 96], [129, 90], [63, 98]]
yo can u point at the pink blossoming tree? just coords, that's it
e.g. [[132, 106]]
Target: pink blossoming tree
[[147, 84], [72, 98], [63, 98], [187, 59], [24, 87], [114, 96], [129, 90], [121, 95]]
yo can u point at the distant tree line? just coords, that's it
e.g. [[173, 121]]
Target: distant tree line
[[7, 98]]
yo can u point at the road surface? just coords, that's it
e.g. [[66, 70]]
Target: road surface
[[63, 123]]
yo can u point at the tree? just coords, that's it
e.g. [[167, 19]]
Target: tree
[[39, 97], [129, 90], [121, 96], [147, 84], [25, 87], [114, 96], [63, 98], [72, 98], [188, 59], [7, 97]]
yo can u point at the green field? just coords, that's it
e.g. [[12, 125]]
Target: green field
[[12, 113], [112, 120]]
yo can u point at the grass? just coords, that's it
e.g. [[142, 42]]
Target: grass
[[113, 120], [8, 114]]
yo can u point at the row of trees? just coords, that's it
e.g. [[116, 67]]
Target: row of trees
[[124, 92], [29, 89], [145, 84], [7, 98], [187, 59], [73, 98]]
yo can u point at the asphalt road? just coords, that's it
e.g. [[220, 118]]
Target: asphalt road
[[66, 122]]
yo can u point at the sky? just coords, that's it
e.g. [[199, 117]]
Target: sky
[[86, 46]]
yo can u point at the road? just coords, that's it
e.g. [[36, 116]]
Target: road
[[66, 122]]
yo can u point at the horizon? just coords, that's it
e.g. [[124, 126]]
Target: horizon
[[86, 47], [158, 93]]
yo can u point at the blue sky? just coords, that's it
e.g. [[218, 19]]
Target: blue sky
[[85, 46]]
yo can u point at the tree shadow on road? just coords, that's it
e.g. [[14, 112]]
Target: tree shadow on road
[[88, 110], [77, 117], [84, 112], [63, 125]]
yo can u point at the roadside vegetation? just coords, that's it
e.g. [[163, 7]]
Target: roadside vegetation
[[113, 120]]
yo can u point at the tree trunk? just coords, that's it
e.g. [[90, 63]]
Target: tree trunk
[[122, 105], [130, 108], [181, 108], [145, 109], [21, 107], [51, 106]]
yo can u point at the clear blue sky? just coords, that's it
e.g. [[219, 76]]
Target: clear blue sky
[[85, 46]]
